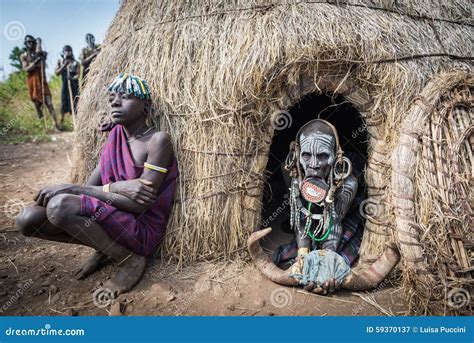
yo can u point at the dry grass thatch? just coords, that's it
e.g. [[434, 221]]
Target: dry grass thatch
[[222, 72], [433, 202]]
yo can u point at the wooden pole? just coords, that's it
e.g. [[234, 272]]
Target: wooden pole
[[43, 104], [71, 99], [39, 49]]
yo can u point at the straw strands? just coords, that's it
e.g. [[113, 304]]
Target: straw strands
[[218, 71]]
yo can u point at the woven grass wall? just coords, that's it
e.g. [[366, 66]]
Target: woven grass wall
[[222, 73]]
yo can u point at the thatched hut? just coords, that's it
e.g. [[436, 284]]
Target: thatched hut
[[229, 77]]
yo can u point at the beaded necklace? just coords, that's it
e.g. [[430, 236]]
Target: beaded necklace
[[139, 135]]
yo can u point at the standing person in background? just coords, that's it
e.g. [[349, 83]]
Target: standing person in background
[[33, 61], [88, 54], [69, 69]]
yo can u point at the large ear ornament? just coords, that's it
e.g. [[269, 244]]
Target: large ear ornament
[[290, 161]]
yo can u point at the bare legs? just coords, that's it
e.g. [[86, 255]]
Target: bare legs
[[49, 105], [60, 221], [52, 112], [39, 110]]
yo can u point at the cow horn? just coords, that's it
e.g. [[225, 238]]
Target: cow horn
[[357, 281], [264, 263], [370, 277]]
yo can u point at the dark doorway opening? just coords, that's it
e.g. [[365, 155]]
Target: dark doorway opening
[[353, 138]]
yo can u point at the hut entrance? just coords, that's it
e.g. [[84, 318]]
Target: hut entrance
[[352, 135]]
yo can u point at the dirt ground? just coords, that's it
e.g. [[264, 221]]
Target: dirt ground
[[36, 276]]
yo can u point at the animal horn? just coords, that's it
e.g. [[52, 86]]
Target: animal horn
[[370, 277], [357, 281], [264, 263]]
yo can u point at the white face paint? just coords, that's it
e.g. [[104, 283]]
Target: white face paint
[[317, 154]]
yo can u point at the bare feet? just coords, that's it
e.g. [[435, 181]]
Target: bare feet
[[92, 264], [130, 272]]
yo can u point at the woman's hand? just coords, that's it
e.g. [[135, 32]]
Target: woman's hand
[[139, 190], [46, 193]]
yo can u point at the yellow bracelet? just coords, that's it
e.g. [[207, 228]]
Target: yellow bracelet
[[106, 188], [155, 168]]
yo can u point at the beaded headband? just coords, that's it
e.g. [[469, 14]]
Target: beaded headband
[[130, 84]]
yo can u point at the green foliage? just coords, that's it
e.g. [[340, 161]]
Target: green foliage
[[18, 119], [14, 57]]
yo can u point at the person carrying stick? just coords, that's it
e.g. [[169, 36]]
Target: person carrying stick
[[69, 69], [33, 63]]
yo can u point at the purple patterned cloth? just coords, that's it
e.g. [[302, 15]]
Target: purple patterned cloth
[[138, 232]]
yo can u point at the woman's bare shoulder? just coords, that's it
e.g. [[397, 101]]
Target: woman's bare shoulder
[[159, 141]]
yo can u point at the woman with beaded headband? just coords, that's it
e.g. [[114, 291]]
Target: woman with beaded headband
[[122, 210]]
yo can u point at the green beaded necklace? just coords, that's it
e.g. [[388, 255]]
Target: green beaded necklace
[[310, 234]]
